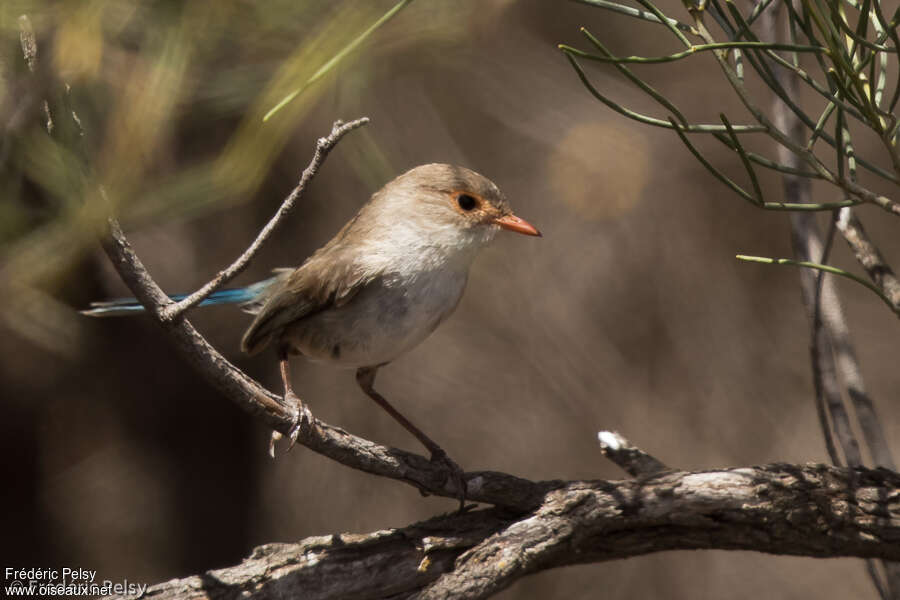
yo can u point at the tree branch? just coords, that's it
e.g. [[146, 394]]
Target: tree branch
[[810, 510], [869, 256], [629, 457]]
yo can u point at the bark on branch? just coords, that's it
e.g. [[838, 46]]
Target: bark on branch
[[808, 510]]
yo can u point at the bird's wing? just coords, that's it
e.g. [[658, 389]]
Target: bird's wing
[[328, 278]]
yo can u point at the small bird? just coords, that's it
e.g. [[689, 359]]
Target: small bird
[[380, 286]]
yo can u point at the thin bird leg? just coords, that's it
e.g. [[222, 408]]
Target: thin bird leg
[[365, 377], [289, 396], [291, 401]]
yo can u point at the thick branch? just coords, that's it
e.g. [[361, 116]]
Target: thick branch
[[811, 510]]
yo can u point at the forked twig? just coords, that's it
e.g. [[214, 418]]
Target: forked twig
[[323, 147]]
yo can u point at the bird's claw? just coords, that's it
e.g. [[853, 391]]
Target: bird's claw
[[456, 474], [299, 414]]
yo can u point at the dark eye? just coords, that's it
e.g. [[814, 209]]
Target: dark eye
[[466, 202]]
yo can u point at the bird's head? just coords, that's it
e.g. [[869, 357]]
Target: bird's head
[[451, 205]]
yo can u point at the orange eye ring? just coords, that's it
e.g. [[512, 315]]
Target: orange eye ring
[[466, 202]]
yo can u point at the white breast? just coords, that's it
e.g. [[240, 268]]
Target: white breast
[[421, 275], [385, 319]]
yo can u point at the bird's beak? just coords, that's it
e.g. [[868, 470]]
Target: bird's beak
[[514, 223]]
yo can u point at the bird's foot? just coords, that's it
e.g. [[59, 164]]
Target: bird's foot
[[299, 414], [456, 474]]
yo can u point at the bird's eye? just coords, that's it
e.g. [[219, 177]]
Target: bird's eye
[[466, 202]]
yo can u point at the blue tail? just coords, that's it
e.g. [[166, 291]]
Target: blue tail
[[130, 306]]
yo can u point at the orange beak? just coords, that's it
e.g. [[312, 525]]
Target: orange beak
[[514, 223]]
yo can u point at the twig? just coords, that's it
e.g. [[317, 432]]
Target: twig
[[632, 459], [646, 119], [337, 58], [869, 196], [869, 256], [323, 147], [737, 189], [638, 14], [754, 181], [820, 267], [691, 51]]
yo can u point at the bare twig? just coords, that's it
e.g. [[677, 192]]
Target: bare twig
[[869, 256], [821, 267], [865, 195], [632, 459], [323, 147], [636, 13]]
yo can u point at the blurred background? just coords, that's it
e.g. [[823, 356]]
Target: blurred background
[[630, 314]]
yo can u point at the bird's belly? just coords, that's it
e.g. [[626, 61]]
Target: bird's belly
[[380, 323]]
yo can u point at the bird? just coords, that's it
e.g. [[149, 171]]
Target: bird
[[378, 288]]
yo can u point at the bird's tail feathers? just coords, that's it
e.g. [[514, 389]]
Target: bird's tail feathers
[[129, 306]]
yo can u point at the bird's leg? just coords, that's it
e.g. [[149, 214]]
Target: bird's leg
[[365, 377], [291, 401]]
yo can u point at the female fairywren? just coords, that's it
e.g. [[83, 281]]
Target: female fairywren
[[376, 290]]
